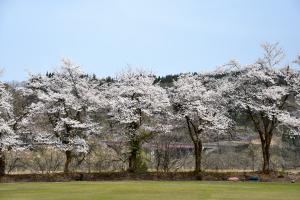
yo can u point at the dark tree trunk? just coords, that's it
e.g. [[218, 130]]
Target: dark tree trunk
[[132, 160], [195, 133], [2, 163], [166, 161], [265, 127], [265, 145], [135, 148], [266, 164], [68, 161], [198, 156], [158, 158]]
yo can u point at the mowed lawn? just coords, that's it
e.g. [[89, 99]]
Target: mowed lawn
[[149, 190]]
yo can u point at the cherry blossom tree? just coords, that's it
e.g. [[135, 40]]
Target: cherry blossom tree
[[135, 101], [62, 101], [198, 103], [8, 136], [264, 93]]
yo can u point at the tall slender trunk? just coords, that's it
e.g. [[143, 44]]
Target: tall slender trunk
[[68, 161], [2, 163], [198, 156]]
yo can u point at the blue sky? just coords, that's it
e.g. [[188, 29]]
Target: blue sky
[[164, 36]]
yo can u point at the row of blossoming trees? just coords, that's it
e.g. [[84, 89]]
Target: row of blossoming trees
[[65, 108]]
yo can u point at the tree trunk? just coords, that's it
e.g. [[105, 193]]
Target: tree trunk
[[2, 163], [68, 161], [198, 156], [158, 158], [166, 161], [265, 144], [132, 160], [135, 147], [265, 128], [195, 133]]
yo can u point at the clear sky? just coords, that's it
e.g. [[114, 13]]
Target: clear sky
[[165, 36]]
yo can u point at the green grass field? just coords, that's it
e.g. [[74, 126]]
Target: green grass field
[[144, 190]]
